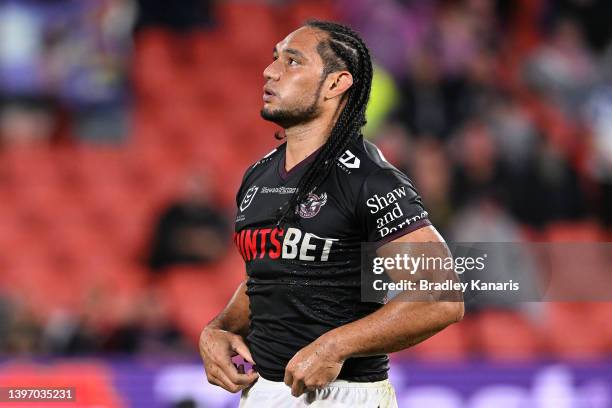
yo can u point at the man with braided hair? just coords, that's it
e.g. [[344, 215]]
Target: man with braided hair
[[303, 211]]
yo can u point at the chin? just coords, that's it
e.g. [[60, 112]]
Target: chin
[[268, 114]]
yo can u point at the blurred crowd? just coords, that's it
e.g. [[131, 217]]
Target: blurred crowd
[[500, 112], [501, 104], [63, 66]]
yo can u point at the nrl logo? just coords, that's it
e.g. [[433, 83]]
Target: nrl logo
[[248, 198], [312, 205]]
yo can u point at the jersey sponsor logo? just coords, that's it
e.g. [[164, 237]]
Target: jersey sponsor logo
[[385, 229], [377, 202], [277, 190], [389, 212], [275, 243], [350, 160], [248, 198], [312, 205], [393, 214]]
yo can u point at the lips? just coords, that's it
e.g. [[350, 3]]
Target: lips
[[268, 91], [268, 94]]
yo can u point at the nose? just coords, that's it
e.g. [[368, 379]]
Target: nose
[[271, 72]]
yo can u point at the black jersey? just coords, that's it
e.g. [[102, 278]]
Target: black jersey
[[304, 280]]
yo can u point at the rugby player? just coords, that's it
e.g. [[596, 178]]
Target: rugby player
[[303, 211]]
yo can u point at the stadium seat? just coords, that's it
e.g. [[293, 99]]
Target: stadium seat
[[506, 335], [450, 344], [153, 65], [191, 299], [312, 9], [249, 29], [573, 331], [574, 232]]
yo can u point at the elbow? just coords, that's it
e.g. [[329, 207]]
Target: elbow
[[452, 311], [460, 311]]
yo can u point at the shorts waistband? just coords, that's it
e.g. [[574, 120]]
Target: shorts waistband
[[267, 384]]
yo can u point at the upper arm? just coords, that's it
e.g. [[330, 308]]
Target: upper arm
[[388, 206], [426, 243], [427, 233]]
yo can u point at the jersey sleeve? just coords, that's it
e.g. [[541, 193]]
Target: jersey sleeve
[[246, 175], [389, 206], [249, 171]]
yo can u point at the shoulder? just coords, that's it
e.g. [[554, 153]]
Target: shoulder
[[363, 160], [386, 203], [257, 168], [262, 163], [362, 172]]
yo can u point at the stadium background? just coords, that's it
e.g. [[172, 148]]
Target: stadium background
[[125, 129]]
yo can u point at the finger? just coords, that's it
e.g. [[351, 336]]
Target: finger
[[240, 347], [230, 371], [316, 387], [226, 383], [297, 388], [214, 380], [288, 380], [310, 388]]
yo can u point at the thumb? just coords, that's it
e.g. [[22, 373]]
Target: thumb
[[240, 347]]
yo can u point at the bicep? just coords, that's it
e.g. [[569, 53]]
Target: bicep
[[428, 233], [428, 248]]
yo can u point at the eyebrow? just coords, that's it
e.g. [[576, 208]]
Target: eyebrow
[[291, 51]]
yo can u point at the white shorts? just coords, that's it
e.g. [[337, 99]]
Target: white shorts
[[338, 394]]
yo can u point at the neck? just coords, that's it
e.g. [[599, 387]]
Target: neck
[[304, 139]]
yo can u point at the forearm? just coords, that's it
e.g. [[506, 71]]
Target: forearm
[[406, 320], [235, 317], [394, 327]]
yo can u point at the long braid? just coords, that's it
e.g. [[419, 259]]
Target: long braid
[[343, 49]]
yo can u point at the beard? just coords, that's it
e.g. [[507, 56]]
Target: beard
[[287, 118]]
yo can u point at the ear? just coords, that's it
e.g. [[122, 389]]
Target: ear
[[337, 84]]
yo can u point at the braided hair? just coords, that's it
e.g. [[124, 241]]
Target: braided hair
[[343, 49]]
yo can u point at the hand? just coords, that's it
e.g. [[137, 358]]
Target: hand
[[313, 367], [217, 347]]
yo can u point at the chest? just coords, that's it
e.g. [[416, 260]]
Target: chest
[[325, 222]]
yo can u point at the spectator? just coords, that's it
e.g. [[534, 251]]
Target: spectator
[[23, 331], [66, 55], [431, 171], [424, 106], [68, 334], [485, 221], [191, 230], [478, 172], [182, 15], [599, 114], [563, 68], [147, 330], [29, 122]]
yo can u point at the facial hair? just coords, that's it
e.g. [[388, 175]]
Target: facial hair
[[287, 118]]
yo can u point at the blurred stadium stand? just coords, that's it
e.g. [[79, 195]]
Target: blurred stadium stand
[[77, 215]]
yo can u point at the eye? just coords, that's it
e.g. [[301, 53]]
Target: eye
[[293, 62]]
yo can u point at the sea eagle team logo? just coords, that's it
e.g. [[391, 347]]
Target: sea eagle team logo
[[312, 205], [248, 198]]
